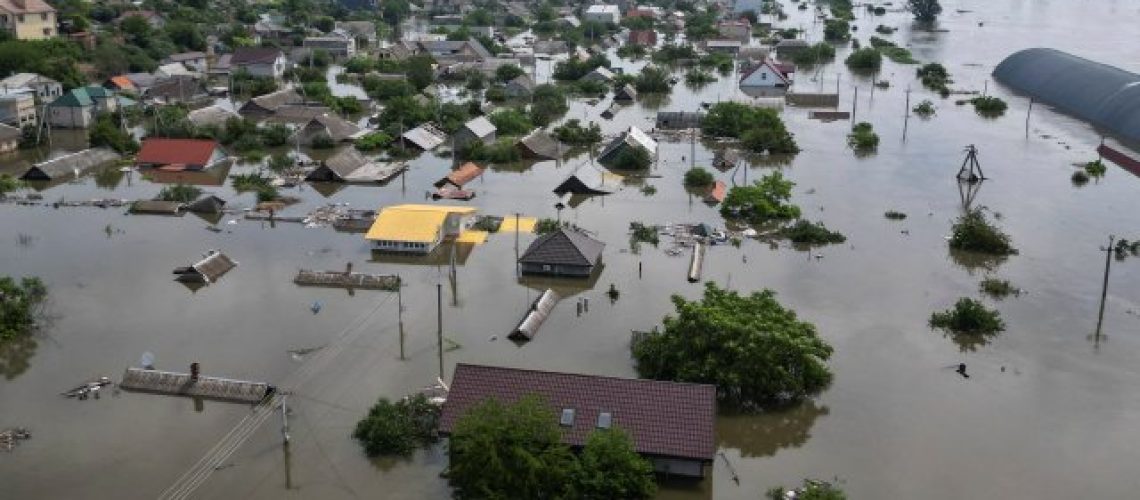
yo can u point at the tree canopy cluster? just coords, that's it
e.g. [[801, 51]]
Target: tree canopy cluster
[[397, 428], [19, 301], [765, 200], [504, 451], [759, 129], [753, 349]]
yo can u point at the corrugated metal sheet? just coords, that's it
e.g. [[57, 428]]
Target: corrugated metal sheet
[[535, 316], [414, 223]]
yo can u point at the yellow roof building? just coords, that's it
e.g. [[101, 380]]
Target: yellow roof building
[[414, 223]]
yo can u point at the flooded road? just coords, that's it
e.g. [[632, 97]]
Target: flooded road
[[1048, 411]]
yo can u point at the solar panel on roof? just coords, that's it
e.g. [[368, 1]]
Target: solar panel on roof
[[567, 419], [605, 420]]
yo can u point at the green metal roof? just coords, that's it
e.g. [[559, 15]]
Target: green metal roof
[[75, 98]]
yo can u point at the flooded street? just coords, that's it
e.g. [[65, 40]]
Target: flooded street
[[1048, 412]]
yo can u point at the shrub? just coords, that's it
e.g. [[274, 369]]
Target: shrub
[[373, 141], [652, 80], [810, 233], [863, 138], [180, 192], [973, 233], [998, 288], [266, 194], [249, 182], [511, 122], [632, 158], [836, 30], [399, 428], [811, 490], [698, 177], [865, 59], [322, 141], [989, 106], [884, 30], [9, 183], [935, 77], [544, 226], [572, 132], [19, 306], [502, 150], [924, 109], [765, 200], [697, 78], [968, 316], [641, 233], [1095, 168], [894, 215], [818, 53]]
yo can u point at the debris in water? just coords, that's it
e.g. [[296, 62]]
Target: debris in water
[[962, 370], [88, 388], [299, 354], [9, 438], [316, 307]]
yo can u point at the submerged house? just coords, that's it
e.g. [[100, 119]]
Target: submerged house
[[478, 129], [179, 154], [599, 74], [73, 164], [632, 138], [565, 252], [416, 229], [679, 120], [626, 94], [672, 424], [424, 137], [765, 76], [520, 86], [461, 176], [539, 145], [327, 125], [267, 105], [208, 270], [350, 166], [586, 179]]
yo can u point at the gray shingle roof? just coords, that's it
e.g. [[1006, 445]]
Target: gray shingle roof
[[563, 247], [480, 126]]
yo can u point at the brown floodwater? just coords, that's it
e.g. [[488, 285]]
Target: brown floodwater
[[1048, 411]]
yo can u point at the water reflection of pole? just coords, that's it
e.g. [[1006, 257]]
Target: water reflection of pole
[[400, 311], [1104, 287], [439, 324], [854, 104], [1027, 113]]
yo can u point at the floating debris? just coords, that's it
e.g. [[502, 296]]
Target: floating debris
[[88, 388], [9, 438]]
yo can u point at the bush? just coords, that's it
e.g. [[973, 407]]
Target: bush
[[373, 141], [572, 132], [632, 158], [998, 288], [19, 306], [894, 215], [815, 54], [935, 77], [511, 122], [836, 30], [759, 129], [547, 103], [508, 72], [723, 63], [179, 192], [811, 490], [669, 54], [652, 80], [925, 11], [322, 141], [884, 30], [989, 106], [1080, 178], [968, 316], [631, 51], [863, 138], [397, 429], [865, 59], [544, 226], [501, 151], [641, 233], [9, 183], [764, 201], [924, 109], [804, 232], [697, 78], [1095, 168], [973, 233], [267, 194], [249, 182], [107, 132], [698, 177]]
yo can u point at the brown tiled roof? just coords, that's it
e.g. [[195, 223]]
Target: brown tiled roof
[[643, 37], [667, 419]]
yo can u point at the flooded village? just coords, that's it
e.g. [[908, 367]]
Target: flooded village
[[486, 249]]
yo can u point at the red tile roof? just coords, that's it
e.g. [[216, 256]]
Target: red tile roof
[[667, 419], [643, 37], [189, 152]]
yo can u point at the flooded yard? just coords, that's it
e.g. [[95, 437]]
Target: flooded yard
[[1049, 411]]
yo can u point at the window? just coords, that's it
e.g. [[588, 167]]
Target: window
[[546, 267], [763, 76], [20, 18], [43, 17], [567, 419], [605, 420]]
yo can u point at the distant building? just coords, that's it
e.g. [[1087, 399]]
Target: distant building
[[520, 86], [181, 89], [327, 125], [9, 138], [787, 49], [723, 46], [459, 177], [608, 14], [565, 252], [338, 43], [462, 50], [264, 106], [599, 74], [77, 108], [28, 19], [46, 88], [18, 107], [632, 138], [735, 29], [359, 30], [260, 61], [416, 229], [644, 38], [195, 61], [672, 424], [626, 94], [425, 137]]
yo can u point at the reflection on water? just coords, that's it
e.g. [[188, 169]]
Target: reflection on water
[[974, 262], [764, 434], [16, 355]]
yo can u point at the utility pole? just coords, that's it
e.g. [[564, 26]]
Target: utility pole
[[517, 243], [439, 324], [854, 104], [906, 114], [1104, 287], [1027, 113]]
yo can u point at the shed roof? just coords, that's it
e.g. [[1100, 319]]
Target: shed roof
[[161, 151], [565, 246], [462, 175], [70, 164], [345, 162], [255, 55], [539, 144], [415, 223], [667, 419], [338, 128], [1104, 96], [211, 115], [426, 137], [632, 137], [480, 126], [213, 266], [274, 100]]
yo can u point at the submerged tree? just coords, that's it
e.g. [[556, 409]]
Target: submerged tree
[[764, 201], [397, 428], [925, 11], [972, 232], [753, 349], [609, 467], [19, 301]]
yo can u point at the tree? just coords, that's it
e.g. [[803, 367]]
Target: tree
[[754, 351], [866, 59], [766, 200], [547, 103], [652, 79], [397, 428], [925, 11], [632, 158], [698, 177], [324, 23], [760, 129], [420, 72], [511, 122], [186, 36], [508, 72], [509, 451], [106, 132], [572, 132], [18, 306], [610, 468], [972, 232]]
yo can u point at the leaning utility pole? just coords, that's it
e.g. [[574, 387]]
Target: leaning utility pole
[[1104, 287]]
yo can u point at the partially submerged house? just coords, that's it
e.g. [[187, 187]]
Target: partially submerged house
[[77, 108], [539, 145], [350, 166], [672, 424], [602, 13], [416, 229], [73, 164], [208, 270], [267, 62], [520, 86], [679, 120], [456, 51], [213, 115], [327, 125], [9, 138], [338, 43], [177, 90], [157, 207], [585, 179], [461, 176], [632, 138], [565, 252], [207, 204], [626, 94], [478, 129], [644, 38], [765, 75], [599, 74], [424, 137], [264, 106], [723, 46], [179, 154]]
